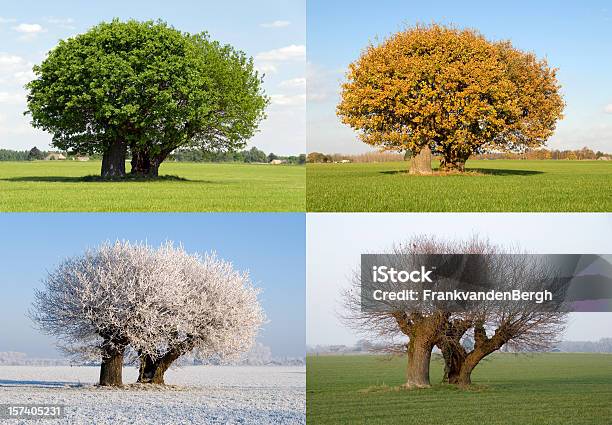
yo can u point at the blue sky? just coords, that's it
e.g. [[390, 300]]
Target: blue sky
[[271, 31], [271, 246], [574, 36], [336, 241]]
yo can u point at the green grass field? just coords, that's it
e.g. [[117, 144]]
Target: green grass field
[[535, 389], [59, 186], [501, 185]]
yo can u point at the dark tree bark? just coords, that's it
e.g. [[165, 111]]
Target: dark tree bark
[[111, 368], [113, 161], [146, 165], [152, 370], [452, 351], [420, 163], [454, 161]]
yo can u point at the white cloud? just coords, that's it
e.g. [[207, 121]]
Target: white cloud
[[11, 97], [276, 24], [29, 28], [292, 52], [9, 61], [293, 83], [288, 100], [608, 108], [266, 68], [6, 20]]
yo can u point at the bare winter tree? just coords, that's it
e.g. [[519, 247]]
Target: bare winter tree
[[422, 323], [125, 297], [427, 324], [523, 326]]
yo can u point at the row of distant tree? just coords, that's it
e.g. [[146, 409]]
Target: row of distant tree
[[252, 155], [364, 346], [577, 154]]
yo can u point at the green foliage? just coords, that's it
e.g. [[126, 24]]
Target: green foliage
[[53, 186], [148, 85], [534, 389], [501, 185], [35, 154]]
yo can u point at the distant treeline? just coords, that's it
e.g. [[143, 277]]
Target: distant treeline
[[604, 345], [578, 154], [252, 155]]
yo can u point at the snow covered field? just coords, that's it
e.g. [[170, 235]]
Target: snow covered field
[[199, 395]]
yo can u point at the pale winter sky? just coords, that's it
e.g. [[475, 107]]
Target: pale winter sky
[[271, 31], [573, 36], [335, 241]]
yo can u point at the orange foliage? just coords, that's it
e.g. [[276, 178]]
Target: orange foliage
[[452, 90]]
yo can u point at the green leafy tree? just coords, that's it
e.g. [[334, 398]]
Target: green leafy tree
[[35, 154], [148, 89]]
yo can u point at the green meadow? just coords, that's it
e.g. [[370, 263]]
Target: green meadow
[[488, 185], [69, 186], [509, 389]]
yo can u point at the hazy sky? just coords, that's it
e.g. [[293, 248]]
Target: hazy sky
[[335, 242], [573, 36], [271, 31], [271, 246]]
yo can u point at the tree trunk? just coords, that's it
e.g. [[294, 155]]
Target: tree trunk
[[453, 361], [113, 161], [151, 371], [420, 163], [146, 165], [111, 368], [464, 378], [454, 162], [419, 357]]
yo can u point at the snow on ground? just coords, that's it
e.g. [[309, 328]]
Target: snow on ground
[[199, 395]]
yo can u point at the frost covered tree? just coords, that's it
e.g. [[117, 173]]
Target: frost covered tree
[[213, 311], [126, 298]]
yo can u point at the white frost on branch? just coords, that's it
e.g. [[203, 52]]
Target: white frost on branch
[[131, 296]]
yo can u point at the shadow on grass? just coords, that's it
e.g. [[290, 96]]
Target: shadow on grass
[[92, 178], [475, 172], [39, 384]]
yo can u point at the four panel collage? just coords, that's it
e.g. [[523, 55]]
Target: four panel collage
[[306, 212]]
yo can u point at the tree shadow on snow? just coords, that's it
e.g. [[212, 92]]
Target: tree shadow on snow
[[39, 384]]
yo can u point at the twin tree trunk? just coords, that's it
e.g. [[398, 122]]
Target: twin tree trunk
[[419, 356], [454, 162], [421, 162], [113, 161], [111, 368], [146, 165], [152, 370]]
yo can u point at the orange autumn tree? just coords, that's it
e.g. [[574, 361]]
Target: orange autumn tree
[[451, 92]]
